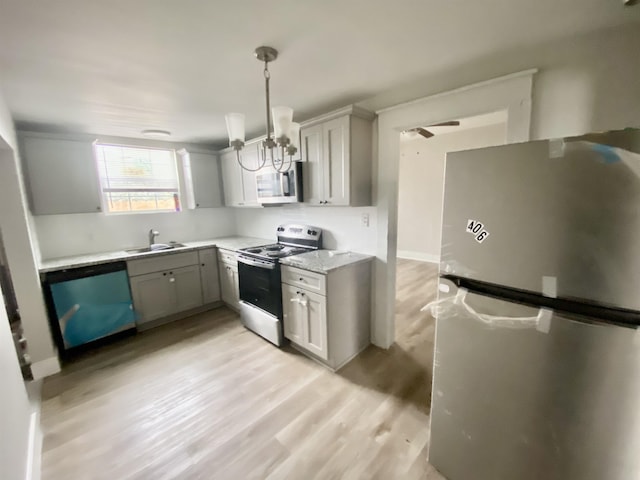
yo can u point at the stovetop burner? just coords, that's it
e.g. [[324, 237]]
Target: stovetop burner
[[292, 240], [276, 250]]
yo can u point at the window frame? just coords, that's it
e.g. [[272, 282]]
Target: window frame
[[101, 177]]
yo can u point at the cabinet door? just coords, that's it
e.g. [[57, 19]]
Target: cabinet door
[[153, 296], [250, 158], [227, 288], [235, 287], [231, 179], [62, 176], [335, 149], [209, 275], [311, 144], [315, 324], [205, 173], [293, 314], [188, 288]]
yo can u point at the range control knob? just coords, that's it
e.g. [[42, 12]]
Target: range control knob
[[309, 232]]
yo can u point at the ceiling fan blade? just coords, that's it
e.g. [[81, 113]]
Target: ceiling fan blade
[[424, 133], [452, 123]]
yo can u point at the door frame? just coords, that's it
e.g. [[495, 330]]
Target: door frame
[[510, 92]]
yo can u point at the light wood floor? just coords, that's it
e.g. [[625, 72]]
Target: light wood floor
[[205, 399]]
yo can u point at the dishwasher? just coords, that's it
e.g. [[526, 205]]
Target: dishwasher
[[88, 304]]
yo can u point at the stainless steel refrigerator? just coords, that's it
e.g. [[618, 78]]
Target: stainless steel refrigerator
[[537, 349]]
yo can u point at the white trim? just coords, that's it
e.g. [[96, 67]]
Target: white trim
[[419, 256], [45, 368], [510, 92], [491, 81]]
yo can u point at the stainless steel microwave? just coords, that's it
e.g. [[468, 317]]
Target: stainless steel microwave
[[275, 188]]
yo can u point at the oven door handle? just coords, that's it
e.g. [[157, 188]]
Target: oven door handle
[[257, 263]]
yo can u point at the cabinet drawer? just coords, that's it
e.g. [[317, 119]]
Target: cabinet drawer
[[313, 282], [227, 256], [164, 262]]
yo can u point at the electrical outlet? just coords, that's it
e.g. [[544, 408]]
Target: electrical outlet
[[365, 219]]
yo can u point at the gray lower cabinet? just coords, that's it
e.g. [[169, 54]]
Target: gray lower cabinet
[[165, 285], [305, 316], [188, 288], [229, 288], [328, 316], [152, 296], [209, 275]]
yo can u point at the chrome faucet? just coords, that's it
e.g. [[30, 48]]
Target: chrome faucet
[[152, 236]]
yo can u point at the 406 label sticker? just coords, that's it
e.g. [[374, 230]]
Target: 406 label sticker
[[477, 229]]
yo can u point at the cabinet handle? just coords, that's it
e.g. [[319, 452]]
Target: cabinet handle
[[301, 279], [197, 204], [164, 274], [202, 264], [320, 202], [170, 273], [98, 208], [302, 293]]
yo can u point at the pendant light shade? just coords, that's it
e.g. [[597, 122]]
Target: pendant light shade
[[294, 135], [282, 117], [235, 127]]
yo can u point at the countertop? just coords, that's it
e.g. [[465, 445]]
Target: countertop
[[323, 261], [229, 243]]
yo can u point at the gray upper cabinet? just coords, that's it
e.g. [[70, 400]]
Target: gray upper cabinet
[[205, 174], [337, 151], [239, 184], [61, 175]]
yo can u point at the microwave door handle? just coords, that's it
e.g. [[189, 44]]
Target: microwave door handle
[[284, 182]]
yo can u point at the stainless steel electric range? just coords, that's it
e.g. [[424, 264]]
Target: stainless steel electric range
[[259, 279]]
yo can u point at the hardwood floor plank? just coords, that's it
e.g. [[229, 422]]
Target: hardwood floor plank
[[203, 398]]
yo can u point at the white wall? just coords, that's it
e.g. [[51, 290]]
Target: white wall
[[421, 182], [342, 226], [76, 234], [15, 410], [585, 83], [19, 242]]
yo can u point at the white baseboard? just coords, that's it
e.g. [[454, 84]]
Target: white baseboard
[[419, 256], [35, 448], [44, 368]]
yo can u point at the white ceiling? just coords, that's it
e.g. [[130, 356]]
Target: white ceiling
[[116, 67]]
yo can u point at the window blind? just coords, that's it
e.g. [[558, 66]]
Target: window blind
[[136, 179]]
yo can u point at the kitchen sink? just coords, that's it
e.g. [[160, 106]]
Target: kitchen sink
[[156, 247]]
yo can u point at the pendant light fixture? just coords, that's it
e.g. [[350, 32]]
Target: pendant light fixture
[[286, 133]]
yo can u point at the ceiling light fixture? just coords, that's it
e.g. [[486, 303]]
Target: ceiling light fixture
[[286, 133], [156, 133]]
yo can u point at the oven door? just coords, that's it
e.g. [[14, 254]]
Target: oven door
[[259, 283]]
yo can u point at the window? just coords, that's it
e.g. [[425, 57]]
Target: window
[[138, 179]]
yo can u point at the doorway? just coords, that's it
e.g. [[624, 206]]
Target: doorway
[[510, 93], [421, 170]]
